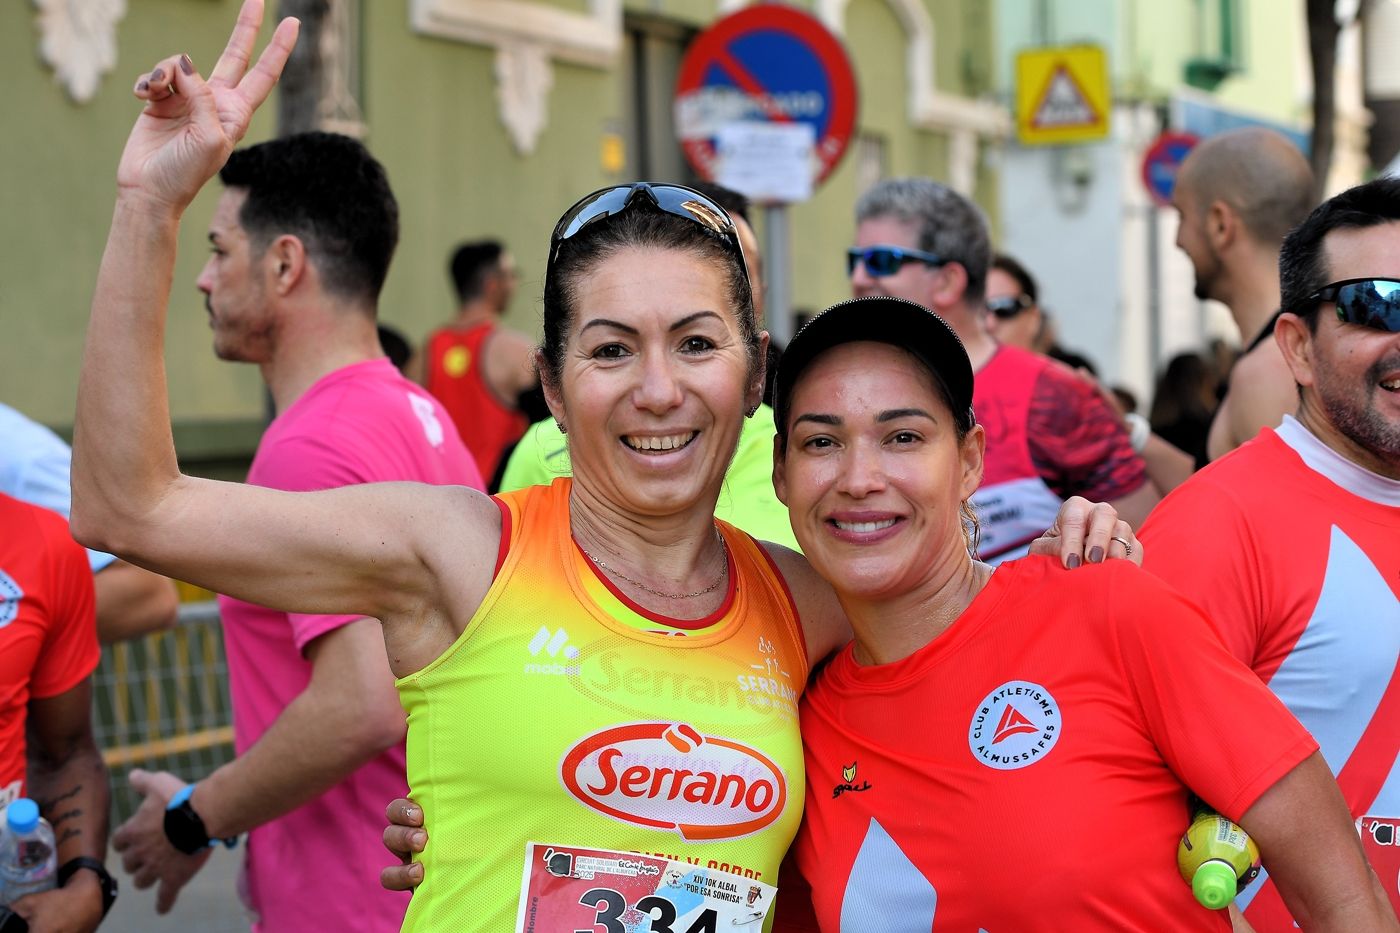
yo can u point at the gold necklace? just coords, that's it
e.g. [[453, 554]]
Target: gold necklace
[[723, 573]]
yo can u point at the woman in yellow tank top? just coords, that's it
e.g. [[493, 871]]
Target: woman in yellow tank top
[[601, 680], [628, 640]]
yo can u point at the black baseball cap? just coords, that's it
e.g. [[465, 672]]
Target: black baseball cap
[[895, 321]]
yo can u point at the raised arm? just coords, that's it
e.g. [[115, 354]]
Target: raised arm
[[361, 550]]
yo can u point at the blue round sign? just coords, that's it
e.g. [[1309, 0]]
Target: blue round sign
[[771, 63], [1162, 162]]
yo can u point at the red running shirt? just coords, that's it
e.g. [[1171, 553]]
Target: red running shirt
[[488, 424], [48, 626], [1294, 552], [1027, 769], [1050, 435]]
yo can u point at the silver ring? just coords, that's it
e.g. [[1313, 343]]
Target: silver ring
[[1127, 548]]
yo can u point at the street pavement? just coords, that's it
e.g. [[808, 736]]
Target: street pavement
[[208, 903]]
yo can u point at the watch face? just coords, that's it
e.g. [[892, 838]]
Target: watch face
[[185, 829]]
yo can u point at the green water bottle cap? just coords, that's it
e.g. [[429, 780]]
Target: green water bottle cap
[[1214, 884]]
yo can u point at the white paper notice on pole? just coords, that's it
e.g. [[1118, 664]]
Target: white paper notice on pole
[[767, 161]]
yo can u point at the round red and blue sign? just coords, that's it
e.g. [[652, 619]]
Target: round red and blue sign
[[770, 62], [1162, 162]]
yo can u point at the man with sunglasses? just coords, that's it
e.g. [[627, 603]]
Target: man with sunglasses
[[1050, 434], [1237, 194], [1291, 543]]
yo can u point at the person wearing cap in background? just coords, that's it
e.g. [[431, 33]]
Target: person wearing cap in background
[[1066, 701], [1291, 542]]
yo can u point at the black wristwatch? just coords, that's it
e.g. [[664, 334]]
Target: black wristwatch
[[104, 878], [184, 828]]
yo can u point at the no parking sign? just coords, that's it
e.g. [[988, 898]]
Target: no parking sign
[[1161, 163], [767, 64]]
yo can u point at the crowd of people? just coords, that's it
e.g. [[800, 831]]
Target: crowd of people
[[657, 626]]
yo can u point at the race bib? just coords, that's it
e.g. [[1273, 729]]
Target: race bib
[[1380, 837], [567, 888]]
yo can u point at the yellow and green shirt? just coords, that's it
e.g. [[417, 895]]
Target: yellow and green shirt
[[565, 714]]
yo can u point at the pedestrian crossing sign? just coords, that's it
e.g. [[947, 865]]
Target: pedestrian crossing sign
[[1062, 95]]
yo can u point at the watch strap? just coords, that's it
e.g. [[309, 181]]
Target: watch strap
[[184, 828], [104, 878]]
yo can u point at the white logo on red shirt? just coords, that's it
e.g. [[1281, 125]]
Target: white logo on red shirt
[[1015, 726]]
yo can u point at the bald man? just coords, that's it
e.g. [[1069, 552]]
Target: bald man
[[1238, 194]]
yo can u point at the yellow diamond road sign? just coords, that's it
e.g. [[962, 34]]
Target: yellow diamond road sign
[[1062, 95]]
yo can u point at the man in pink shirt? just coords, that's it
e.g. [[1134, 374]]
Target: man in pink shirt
[[302, 239]]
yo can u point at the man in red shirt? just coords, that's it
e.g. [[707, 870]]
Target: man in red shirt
[[48, 651], [1291, 542], [477, 368]]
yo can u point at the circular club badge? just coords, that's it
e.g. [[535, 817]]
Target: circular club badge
[[1015, 726]]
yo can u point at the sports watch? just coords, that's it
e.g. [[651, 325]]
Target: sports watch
[[185, 829], [104, 878]]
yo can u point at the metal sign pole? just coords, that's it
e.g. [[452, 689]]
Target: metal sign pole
[[1154, 292], [777, 272]]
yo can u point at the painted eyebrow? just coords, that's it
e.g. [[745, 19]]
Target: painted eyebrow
[[893, 414], [629, 329]]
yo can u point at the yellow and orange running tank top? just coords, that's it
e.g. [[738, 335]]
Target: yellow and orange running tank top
[[550, 720]]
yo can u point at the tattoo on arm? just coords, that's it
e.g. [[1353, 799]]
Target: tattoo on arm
[[47, 805], [57, 818]]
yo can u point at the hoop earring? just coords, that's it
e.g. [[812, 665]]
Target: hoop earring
[[560, 425], [751, 412]]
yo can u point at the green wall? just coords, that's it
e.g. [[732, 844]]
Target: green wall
[[431, 112]]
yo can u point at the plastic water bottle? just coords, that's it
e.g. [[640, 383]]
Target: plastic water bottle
[[1217, 858], [28, 856]]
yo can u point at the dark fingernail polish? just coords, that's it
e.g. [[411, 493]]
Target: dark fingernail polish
[[1073, 561], [143, 86], [186, 65], [1095, 555], [158, 75]]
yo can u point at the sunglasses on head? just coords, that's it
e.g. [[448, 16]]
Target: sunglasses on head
[[881, 261], [676, 200], [1009, 306], [1368, 302]]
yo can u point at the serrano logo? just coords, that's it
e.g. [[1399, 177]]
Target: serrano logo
[[1027, 726], [669, 776]]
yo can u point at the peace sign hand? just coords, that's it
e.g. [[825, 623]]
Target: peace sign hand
[[190, 125]]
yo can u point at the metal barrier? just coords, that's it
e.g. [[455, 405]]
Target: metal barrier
[[161, 703]]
